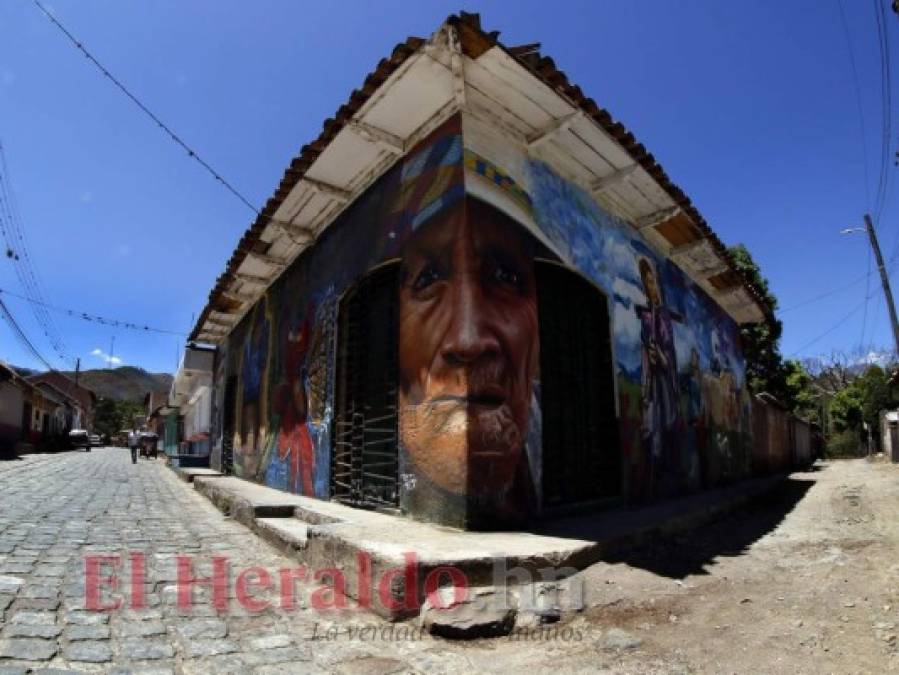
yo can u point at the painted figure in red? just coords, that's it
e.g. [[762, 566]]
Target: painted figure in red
[[294, 442]]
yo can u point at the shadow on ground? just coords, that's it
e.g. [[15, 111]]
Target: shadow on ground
[[678, 556]]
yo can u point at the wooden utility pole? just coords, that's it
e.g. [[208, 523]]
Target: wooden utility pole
[[77, 371], [884, 278]]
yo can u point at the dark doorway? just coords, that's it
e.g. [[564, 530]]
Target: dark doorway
[[228, 412], [581, 453], [364, 463]]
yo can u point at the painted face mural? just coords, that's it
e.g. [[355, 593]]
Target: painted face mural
[[468, 353]]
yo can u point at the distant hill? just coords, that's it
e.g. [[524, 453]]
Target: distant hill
[[126, 383]]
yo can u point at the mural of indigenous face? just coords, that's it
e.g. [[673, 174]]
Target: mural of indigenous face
[[468, 352]]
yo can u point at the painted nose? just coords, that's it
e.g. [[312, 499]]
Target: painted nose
[[469, 337]]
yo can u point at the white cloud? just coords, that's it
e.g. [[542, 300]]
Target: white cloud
[[110, 360], [626, 331], [619, 258], [626, 290]]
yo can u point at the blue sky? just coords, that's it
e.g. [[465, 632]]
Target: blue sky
[[750, 107]]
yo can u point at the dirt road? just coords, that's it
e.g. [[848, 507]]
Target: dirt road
[[806, 582]]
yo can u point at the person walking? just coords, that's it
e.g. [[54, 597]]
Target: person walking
[[133, 441]]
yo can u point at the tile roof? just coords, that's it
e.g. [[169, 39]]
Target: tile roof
[[474, 42]]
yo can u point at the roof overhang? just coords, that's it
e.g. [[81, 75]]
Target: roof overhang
[[513, 90]]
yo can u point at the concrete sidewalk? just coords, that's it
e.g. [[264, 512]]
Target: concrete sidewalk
[[326, 535]]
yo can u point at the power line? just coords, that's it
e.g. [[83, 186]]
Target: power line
[[829, 330], [861, 340], [95, 318], [858, 101], [19, 334], [190, 151], [17, 250], [824, 295], [883, 44]]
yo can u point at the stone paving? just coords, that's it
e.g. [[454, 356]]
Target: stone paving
[[56, 510]]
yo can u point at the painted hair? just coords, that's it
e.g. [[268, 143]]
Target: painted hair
[[645, 268]]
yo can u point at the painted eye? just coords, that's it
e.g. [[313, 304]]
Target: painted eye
[[506, 275], [425, 278]]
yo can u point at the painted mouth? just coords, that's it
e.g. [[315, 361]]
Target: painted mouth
[[485, 398]]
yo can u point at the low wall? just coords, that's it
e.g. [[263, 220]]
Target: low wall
[[781, 441]]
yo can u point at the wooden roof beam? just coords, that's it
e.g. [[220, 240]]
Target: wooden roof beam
[[253, 278], [657, 218], [685, 249], [557, 126], [390, 142], [613, 178], [272, 261], [456, 65], [293, 230], [239, 297], [328, 190]]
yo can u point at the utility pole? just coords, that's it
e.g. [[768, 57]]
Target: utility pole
[[77, 370], [884, 278]]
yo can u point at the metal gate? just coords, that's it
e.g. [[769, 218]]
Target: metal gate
[[581, 452], [364, 463]]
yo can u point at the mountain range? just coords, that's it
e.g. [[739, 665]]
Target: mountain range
[[125, 383]]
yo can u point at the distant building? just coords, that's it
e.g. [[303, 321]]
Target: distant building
[[34, 411], [187, 414], [85, 397], [16, 403]]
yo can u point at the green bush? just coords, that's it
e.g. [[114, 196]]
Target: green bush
[[844, 444]]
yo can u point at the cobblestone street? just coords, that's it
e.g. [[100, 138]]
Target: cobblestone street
[[57, 509]]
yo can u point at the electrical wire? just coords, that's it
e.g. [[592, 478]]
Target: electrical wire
[[831, 329], [17, 250], [19, 334], [159, 123], [94, 318], [861, 340], [883, 45], [824, 295], [858, 101]]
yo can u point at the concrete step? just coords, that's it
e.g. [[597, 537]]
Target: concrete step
[[287, 534], [369, 547], [188, 474]]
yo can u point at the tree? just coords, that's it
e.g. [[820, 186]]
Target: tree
[[802, 394], [846, 409], [765, 369], [877, 395], [863, 400], [107, 420], [112, 416]]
